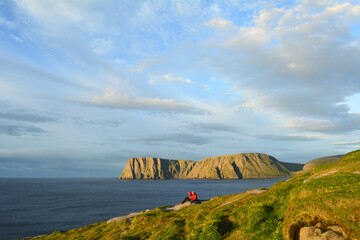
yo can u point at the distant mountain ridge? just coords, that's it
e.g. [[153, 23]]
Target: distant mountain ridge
[[237, 166]]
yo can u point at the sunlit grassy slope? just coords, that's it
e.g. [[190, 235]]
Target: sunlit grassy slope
[[329, 193]]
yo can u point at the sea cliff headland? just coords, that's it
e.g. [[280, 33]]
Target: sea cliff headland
[[237, 166]]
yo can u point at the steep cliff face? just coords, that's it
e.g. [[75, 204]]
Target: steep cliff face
[[156, 168], [247, 165]]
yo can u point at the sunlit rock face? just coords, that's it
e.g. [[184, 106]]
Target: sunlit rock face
[[156, 168]]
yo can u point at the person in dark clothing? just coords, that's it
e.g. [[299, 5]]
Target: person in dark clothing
[[192, 198]]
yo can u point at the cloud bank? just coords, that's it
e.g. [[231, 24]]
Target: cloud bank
[[300, 62]]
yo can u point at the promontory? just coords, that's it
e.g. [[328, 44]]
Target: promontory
[[237, 166]]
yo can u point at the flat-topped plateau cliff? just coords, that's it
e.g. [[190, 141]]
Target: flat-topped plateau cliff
[[237, 166], [156, 168]]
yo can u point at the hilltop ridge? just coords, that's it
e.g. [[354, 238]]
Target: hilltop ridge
[[330, 159]]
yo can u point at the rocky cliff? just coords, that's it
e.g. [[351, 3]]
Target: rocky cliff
[[156, 168], [246, 165], [238, 166]]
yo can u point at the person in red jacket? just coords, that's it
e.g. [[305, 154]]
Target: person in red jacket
[[192, 198]]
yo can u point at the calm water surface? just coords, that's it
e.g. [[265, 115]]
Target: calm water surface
[[31, 207]]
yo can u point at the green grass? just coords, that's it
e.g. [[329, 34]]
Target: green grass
[[331, 196]]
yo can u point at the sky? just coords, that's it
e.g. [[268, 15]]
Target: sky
[[85, 85]]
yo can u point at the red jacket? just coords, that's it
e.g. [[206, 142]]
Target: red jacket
[[193, 197]]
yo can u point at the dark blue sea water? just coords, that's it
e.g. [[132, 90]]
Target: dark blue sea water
[[31, 207]]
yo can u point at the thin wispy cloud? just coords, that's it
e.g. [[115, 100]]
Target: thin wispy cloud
[[356, 143], [292, 137], [156, 78], [25, 117], [114, 99], [174, 138], [19, 130]]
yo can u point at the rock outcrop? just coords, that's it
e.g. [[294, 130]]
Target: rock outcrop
[[238, 166], [322, 233], [129, 217]]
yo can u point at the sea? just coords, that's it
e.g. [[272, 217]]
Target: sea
[[31, 207]]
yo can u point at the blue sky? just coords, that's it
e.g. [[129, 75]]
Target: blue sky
[[85, 85]]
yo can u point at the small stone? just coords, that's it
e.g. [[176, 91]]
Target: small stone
[[331, 235], [320, 225], [338, 230], [307, 233], [318, 231]]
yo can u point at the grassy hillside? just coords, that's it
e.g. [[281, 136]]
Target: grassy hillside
[[328, 194], [309, 165]]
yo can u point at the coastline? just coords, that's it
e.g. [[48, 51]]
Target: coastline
[[316, 203]]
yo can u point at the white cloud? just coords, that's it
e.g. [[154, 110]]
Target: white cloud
[[18, 39], [174, 138], [291, 62], [219, 24], [114, 99], [348, 123], [156, 78], [357, 143], [268, 18], [293, 137], [6, 23], [102, 46], [57, 15], [336, 9]]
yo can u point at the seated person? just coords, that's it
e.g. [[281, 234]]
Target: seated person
[[192, 198]]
